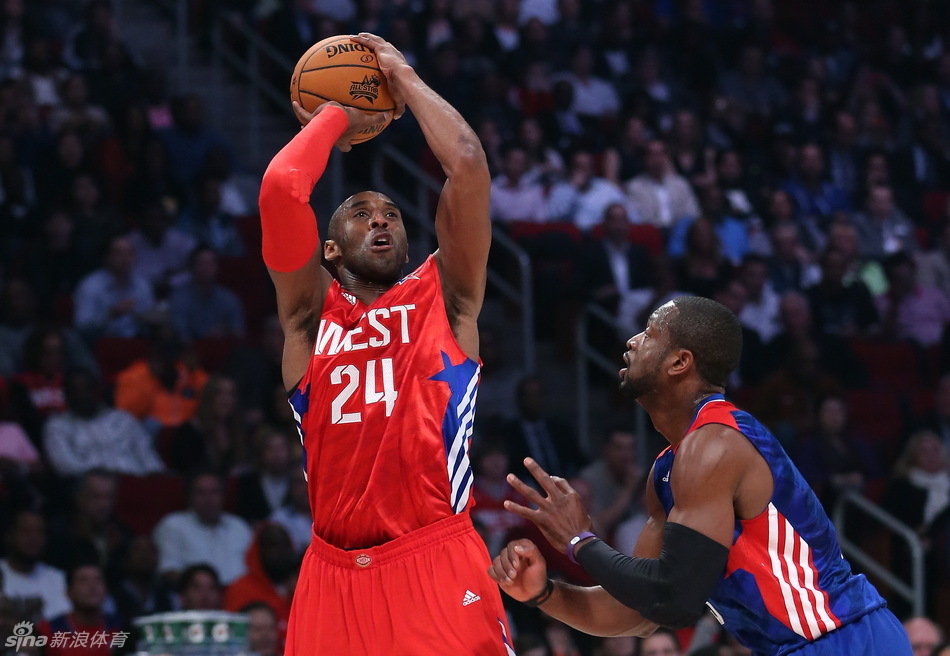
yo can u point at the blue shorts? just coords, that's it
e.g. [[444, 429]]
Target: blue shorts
[[876, 634]]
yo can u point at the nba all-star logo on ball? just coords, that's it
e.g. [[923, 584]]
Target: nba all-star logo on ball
[[368, 88]]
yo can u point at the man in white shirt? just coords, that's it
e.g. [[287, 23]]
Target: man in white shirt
[[513, 197], [24, 576], [760, 313], [203, 534], [660, 196], [584, 197]]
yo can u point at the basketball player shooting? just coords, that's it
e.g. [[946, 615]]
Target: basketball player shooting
[[382, 371], [732, 524]]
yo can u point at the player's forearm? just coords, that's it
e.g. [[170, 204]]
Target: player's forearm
[[452, 140], [594, 612], [287, 222]]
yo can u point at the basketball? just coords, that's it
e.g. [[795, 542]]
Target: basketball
[[337, 69]]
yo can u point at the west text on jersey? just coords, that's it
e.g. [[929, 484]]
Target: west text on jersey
[[377, 328]]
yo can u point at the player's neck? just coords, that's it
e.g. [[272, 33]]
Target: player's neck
[[672, 411], [364, 290]]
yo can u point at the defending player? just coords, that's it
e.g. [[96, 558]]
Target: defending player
[[382, 371], [732, 524]]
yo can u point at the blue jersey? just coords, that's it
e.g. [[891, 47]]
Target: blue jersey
[[786, 582]]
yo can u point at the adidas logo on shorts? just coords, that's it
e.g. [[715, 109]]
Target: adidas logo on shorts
[[470, 598]]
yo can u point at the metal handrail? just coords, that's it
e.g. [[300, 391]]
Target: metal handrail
[[585, 355], [522, 293], [913, 592]]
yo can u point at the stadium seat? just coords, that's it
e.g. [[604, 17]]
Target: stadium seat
[[526, 230], [213, 352], [116, 353], [935, 206], [143, 500], [891, 365]]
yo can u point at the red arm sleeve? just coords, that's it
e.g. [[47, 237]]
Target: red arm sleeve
[[288, 224]]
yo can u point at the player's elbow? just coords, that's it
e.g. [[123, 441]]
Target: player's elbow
[[469, 157]]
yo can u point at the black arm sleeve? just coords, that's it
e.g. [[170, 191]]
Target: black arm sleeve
[[670, 590]]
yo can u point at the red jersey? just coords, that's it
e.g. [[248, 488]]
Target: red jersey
[[385, 414]]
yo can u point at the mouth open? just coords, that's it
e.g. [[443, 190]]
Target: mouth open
[[382, 241]]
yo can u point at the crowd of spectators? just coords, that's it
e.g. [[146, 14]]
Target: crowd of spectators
[[789, 158]]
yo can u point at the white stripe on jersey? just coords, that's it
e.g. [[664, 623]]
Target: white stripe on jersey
[[458, 465], [790, 609]]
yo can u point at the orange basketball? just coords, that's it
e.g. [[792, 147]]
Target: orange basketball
[[347, 72]]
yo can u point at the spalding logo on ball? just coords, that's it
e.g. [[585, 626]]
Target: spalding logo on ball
[[337, 69]]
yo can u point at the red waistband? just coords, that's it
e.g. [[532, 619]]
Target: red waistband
[[401, 547]]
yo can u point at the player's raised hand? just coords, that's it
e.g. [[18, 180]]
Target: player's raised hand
[[560, 515], [520, 570], [358, 121], [389, 59]]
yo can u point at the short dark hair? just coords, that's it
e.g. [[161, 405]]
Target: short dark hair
[[189, 573], [78, 564], [258, 605], [711, 332]]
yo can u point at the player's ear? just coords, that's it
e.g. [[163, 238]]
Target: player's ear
[[683, 362], [331, 250]]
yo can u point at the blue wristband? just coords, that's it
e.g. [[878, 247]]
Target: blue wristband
[[575, 541]]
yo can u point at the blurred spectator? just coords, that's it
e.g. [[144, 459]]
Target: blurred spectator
[[584, 196], [618, 646], [161, 250], [790, 268], [264, 489], [659, 195], [207, 220], [615, 481], [924, 634], [257, 370], [271, 575], [816, 198], [919, 495], [113, 301], [612, 265], [545, 163], [499, 377], [90, 435], [213, 437], [218, 166], [733, 233], [188, 141], [262, 635], [199, 588], [25, 577], [203, 533], [845, 156], [96, 222], [835, 459], [53, 263], [702, 268], [733, 295], [19, 320], [39, 387], [751, 86], [908, 310], [933, 269], [91, 533], [688, 152], [637, 305], [594, 97], [76, 112], [162, 390], [139, 590], [760, 312], [838, 306], [662, 642], [42, 72], [884, 228], [536, 434], [86, 45], [490, 489], [787, 398], [87, 591], [17, 453], [295, 514], [843, 237], [203, 308], [513, 196], [624, 160]]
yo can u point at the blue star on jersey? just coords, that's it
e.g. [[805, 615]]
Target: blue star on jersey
[[300, 403], [457, 425]]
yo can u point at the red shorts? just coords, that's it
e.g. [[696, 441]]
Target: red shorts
[[424, 593]]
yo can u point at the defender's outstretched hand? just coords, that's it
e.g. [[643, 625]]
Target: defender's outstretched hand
[[560, 515], [358, 121], [389, 59], [520, 570]]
